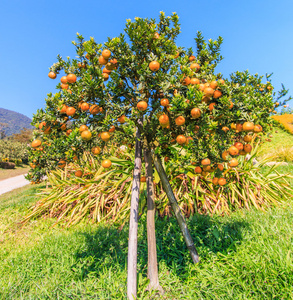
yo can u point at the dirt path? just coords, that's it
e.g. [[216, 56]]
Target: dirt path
[[12, 183]]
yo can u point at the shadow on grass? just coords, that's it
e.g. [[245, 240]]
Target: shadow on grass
[[107, 247]]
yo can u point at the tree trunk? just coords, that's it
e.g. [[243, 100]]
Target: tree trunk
[[133, 224], [151, 230], [180, 219]]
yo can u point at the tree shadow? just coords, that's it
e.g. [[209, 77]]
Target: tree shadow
[[211, 235], [106, 247]]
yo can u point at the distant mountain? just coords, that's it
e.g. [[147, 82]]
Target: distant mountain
[[12, 122]]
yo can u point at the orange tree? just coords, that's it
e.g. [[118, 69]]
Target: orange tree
[[141, 88]]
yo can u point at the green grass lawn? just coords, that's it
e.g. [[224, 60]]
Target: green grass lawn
[[247, 255], [280, 139], [7, 173]]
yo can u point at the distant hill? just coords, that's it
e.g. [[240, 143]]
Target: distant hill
[[12, 122]]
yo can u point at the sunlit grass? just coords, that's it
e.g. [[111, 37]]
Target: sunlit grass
[[247, 255], [281, 141]]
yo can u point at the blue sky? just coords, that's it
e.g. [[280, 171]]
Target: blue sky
[[257, 36]]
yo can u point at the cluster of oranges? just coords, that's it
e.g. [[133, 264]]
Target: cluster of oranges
[[211, 91], [109, 66], [239, 148]]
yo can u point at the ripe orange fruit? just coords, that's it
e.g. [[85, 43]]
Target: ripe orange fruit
[[64, 86], [201, 87], [63, 127], [215, 181], [107, 71], [106, 163], [233, 150], [212, 105], [68, 132], [186, 81], [164, 119], [164, 102], [231, 105], [247, 148], [188, 139], [105, 76], [154, 66], [86, 135], [36, 143], [63, 109], [83, 128], [225, 128], [52, 75], [191, 58], [194, 81], [47, 130], [195, 113], [217, 94], [105, 136], [94, 109], [208, 91], [207, 168], [198, 170], [225, 155], [81, 65], [142, 179], [181, 139], [180, 120], [70, 111], [102, 60], [205, 162], [63, 79], [61, 164], [106, 53], [84, 106], [110, 65], [257, 129], [214, 84], [156, 35], [96, 150], [42, 124], [78, 173], [195, 66], [247, 138], [248, 126], [239, 146], [222, 181], [233, 162], [142, 105], [239, 127], [220, 167], [71, 78], [122, 119], [112, 129], [196, 129], [221, 81]]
